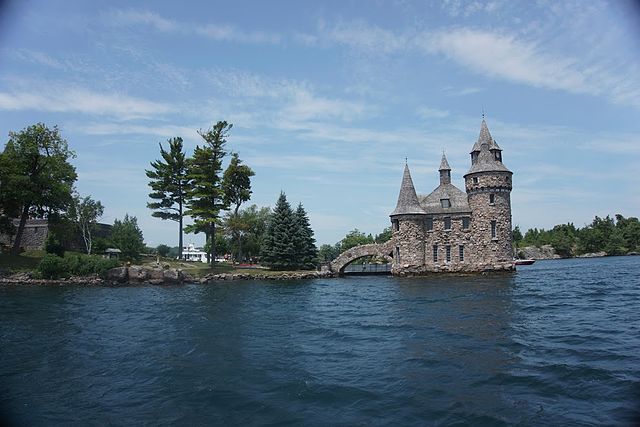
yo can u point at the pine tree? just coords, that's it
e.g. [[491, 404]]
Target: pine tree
[[278, 248], [304, 242], [205, 198], [169, 183]]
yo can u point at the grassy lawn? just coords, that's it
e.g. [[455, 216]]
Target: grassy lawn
[[197, 269], [27, 260]]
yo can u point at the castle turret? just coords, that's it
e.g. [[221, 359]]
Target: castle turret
[[408, 228], [445, 171], [488, 187]]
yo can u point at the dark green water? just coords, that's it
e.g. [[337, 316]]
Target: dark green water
[[557, 343]]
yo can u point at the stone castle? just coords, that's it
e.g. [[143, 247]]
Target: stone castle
[[454, 230]]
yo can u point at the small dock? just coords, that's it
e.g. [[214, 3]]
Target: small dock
[[367, 269]]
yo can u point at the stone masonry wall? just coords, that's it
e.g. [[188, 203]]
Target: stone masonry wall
[[408, 254]]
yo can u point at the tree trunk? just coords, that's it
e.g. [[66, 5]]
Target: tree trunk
[[180, 233], [15, 250], [213, 244]]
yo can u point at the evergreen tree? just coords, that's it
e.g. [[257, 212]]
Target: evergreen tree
[[38, 179], [127, 236], [304, 242], [278, 248], [169, 183], [205, 198], [236, 184]]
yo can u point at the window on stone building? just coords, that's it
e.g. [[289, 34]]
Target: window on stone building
[[448, 252], [447, 223], [429, 224], [475, 179], [492, 198], [466, 222], [396, 225], [493, 229], [397, 254], [445, 203], [435, 253], [461, 252]]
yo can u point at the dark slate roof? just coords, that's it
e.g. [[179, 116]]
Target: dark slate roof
[[407, 199], [458, 198], [444, 165], [485, 138]]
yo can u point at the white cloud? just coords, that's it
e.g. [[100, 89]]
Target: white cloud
[[79, 100], [219, 31], [431, 113]]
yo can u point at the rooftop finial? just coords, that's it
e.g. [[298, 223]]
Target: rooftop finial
[[406, 161], [482, 113]]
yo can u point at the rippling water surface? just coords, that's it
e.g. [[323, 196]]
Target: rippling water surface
[[557, 343]]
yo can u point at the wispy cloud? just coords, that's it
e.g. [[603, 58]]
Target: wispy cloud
[[80, 100], [219, 31]]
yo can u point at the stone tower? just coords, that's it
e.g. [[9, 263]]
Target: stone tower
[[488, 187], [408, 231]]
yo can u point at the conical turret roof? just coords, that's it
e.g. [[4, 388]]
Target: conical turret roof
[[444, 164], [407, 199], [485, 138]]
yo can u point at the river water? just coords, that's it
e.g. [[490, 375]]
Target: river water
[[557, 343]]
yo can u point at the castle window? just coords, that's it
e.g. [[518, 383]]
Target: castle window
[[445, 203], [475, 179], [493, 229], [461, 252], [447, 223], [492, 198], [506, 178], [396, 225], [448, 252], [397, 254], [465, 222], [498, 156], [429, 224], [435, 253]]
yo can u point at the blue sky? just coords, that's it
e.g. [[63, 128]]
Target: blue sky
[[328, 98]]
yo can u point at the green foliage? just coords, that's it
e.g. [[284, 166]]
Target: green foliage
[[517, 236], [127, 236], [163, 250], [236, 182], [84, 212], [278, 248], [54, 267], [614, 236], [355, 238], [328, 253], [384, 236], [36, 178], [304, 242], [52, 245], [169, 184], [205, 197]]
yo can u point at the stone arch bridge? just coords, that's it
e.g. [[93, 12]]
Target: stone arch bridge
[[382, 250]]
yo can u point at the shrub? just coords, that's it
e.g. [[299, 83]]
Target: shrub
[[53, 246], [52, 267]]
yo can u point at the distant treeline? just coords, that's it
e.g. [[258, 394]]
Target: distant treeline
[[615, 236]]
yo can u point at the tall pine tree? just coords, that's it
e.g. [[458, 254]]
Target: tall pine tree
[[169, 183], [278, 247], [206, 195], [305, 243]]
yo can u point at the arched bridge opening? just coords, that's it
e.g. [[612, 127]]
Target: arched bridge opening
[[343, 264]]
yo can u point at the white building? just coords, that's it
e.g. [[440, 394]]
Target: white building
[[191, 253]]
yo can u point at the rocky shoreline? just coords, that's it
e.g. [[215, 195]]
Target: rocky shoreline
[[138, 275]]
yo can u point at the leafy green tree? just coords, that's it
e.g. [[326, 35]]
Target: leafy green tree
[[205, 198], [252, 221], [384, 236], [40, 179], [278, 248], [169, 184], [84, 212], [328, 253], [630, 230], [127, 236], [304, 242], [517, 236], [236, 184], [163, 250], [355, 238]]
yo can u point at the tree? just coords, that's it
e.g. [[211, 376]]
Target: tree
[[127, 236], [253, 222], [40, 179], [355, 238], [169, 183], [304, 242], [205, 198], [163, 250], [517, 236], [328, 253], [384, 236], [278, 248], [84, 212], [236, 184]]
